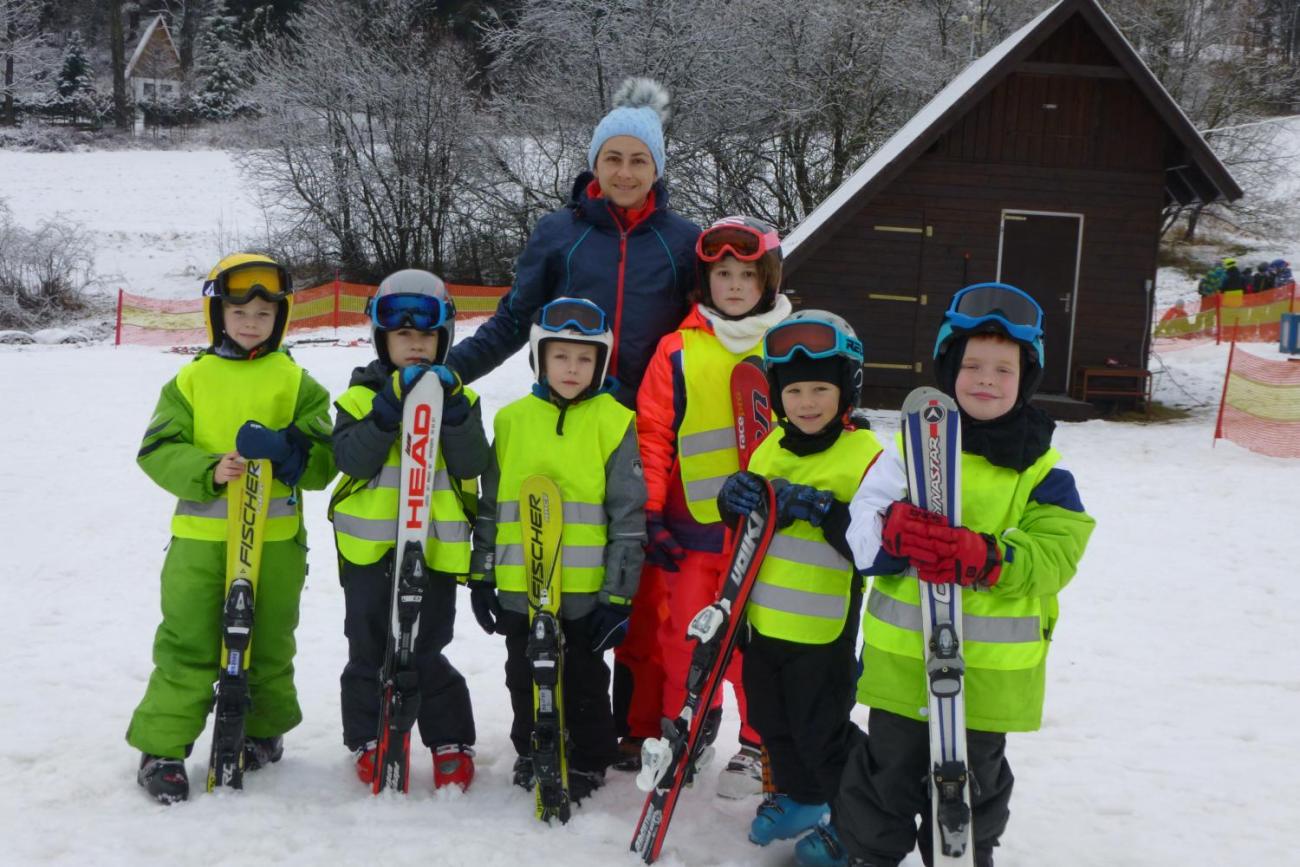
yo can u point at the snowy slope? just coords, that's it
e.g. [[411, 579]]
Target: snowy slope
[[1174, 682]]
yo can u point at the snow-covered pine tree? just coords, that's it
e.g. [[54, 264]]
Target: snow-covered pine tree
[[222, 77], [75, 95]]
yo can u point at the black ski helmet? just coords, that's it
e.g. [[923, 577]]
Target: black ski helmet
[[811, 336]]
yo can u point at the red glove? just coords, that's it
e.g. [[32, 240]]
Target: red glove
[[907, 532], [964, 557]]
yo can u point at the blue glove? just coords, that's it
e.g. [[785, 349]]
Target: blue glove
[[741, 493], [803, 503], [661, 549], [387, 408], [286, 449], [608, 626], [483, 600], [455, 405]]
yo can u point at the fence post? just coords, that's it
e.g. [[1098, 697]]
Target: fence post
[[1223, 397], [336, 303], [117, 335]]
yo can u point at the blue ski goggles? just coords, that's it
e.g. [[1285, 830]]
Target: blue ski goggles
[[409, 310], [996, 307], [573, 313], [813, 337]]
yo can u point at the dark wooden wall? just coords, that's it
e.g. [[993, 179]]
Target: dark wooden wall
[[893, 266]]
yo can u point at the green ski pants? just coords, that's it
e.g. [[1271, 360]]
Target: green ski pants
[[187, 646]]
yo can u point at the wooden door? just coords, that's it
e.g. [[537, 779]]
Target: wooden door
[[1040, 254], [884, 308]]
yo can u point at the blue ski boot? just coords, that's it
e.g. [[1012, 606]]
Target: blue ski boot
[[780, 817], [821, 848]]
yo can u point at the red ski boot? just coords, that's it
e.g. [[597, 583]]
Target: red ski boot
[[453, 765]]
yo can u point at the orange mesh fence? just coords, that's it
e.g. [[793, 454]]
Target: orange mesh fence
[[1260, 409], [159, 322], [1250, 317]]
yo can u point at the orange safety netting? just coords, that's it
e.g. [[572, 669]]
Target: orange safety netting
[[1234, 315], [157, 322], [1260, 409]]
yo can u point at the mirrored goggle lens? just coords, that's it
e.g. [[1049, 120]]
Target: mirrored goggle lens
[[816, 339], [583, 316], [740, 241], [421, 312], [1013, 307]]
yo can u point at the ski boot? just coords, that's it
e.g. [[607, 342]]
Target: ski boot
[[522, 773], [260, 752], [364, 758], [821, 848], [780, 817], [583, 783], [629, 754], [743, 775], [453, 765], [164, 779]]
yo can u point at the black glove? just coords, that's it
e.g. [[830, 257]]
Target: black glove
[[741, 493], [483, 601], [608, 626], [455, 405], [286, 449], [803, 503], [387, 408]]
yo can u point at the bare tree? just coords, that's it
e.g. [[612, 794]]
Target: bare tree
[[19, 34], [121, 111]]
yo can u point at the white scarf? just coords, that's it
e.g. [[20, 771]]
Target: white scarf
[[738, 335]]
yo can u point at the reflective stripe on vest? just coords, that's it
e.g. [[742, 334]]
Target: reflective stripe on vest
[[526, 444], [1003, 643], [224, 393], [706, 439], [803, 589], [365, 522]]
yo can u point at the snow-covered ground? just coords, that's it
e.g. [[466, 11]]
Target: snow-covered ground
[[1173, 683], [1174, 680]]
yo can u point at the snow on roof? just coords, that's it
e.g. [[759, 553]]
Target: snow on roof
[[909, 132], [144, 43]]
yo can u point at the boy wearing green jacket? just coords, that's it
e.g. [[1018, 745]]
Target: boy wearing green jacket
[[241, 399], [1025, 530]]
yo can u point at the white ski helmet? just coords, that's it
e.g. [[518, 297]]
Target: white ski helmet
[[575, 320]]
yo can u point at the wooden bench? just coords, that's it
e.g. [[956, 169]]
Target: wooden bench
[[1132, 383]]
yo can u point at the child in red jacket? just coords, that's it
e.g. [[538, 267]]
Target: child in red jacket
[[688, 447]]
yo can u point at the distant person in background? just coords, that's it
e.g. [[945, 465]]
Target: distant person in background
[[1281, 272], [1232, 278], [1248, 281], [1212, 282]]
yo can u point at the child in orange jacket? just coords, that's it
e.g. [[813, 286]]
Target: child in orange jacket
[[688, 448]]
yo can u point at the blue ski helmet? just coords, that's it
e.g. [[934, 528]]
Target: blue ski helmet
[[992, 308], [811, 337]]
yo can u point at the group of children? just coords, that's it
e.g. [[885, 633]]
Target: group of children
[[650, 492]]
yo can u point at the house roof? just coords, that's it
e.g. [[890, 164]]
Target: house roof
[[1200, 177], [156, 24]]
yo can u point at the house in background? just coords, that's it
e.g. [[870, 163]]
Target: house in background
[[153, 74], [1045, 164]]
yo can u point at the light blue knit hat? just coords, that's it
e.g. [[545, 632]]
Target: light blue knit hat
[[640, 110]]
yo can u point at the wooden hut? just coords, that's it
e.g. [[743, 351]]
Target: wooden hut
[[1045, 164], [154, 71]]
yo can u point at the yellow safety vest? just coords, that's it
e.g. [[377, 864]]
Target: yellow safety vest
[[1004, 639], [365, 520], [803, 588], [224, 393], [526, 444], [706, 440]]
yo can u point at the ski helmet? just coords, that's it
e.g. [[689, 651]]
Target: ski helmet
[[238, 278], [748, 239], [813, 336], [412, 298], [991, 308], [575, 320]]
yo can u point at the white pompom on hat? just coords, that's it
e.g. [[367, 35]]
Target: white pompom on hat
[[640, 110]]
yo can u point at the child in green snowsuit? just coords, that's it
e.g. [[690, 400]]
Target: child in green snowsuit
[[241, 399]]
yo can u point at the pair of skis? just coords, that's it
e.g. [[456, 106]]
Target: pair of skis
[[246, 511], [400, 701], [932, 455], [669, 763]]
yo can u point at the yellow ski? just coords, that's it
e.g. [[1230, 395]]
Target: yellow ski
[[248, 502]]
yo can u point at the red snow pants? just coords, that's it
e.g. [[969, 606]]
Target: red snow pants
[[637, 703], [687, 591]]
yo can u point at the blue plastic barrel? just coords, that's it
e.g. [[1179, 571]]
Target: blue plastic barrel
[[1290, 333]]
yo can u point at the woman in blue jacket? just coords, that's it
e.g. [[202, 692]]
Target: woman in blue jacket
[[616, 243]]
